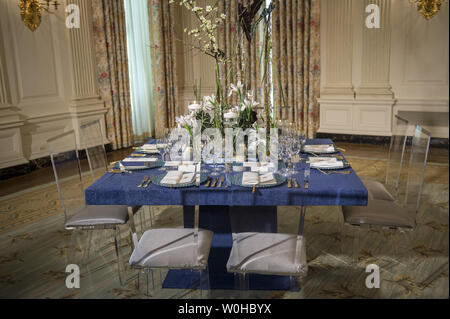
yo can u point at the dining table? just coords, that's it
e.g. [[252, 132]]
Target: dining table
[[257, 207]]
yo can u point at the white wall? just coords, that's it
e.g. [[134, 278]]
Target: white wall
[[38, 95], [369, 75]]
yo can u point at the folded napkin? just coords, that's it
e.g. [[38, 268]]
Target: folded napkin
[[259, 166], [325, 162], [149, 147], [177, 177], [253, 178], [319, 148], [186, 168], [140, 159], [178, 163]]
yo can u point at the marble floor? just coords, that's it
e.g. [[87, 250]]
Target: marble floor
[[35, 248]]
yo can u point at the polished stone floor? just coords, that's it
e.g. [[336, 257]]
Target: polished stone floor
[[35, 249]]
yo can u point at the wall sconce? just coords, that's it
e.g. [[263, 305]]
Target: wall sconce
[[31, 11], [428, 8]]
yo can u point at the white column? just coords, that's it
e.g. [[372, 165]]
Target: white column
[[337, 48], [375, 55], [86, 103]]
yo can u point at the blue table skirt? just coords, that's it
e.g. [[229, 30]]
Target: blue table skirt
[[215, 204], [324, 190]]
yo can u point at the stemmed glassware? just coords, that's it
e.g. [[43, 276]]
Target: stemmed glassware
[[284, 153], [216, 171], [163, 146]]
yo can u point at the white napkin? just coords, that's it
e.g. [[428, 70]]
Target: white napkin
[[253, 178], [325, 162], [186, 168], [319, 148], [177, 177], [178, 163], [140, 159], [149, 147]]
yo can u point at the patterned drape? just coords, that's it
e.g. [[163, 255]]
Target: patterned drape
[[112, 68], [244, 54], [296, 61], [162, 22]]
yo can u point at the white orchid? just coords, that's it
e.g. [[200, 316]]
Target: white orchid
[[250, 103], [209, 101], [235, 88]]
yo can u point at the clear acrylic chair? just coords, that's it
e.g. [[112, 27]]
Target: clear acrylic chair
[[389, 190], [164, 249], [69, 180], [259, 249], [92, 140], [401, 213]]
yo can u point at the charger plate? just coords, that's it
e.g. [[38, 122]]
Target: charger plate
[[158, 178], [236, 179]]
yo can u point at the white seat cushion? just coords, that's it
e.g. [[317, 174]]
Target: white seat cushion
[[268, 253], [96, 215], [172, 248], [377, 190], [380, 213]]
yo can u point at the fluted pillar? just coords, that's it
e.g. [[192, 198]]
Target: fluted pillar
[[337, 48], [375, 55], [86, 103]]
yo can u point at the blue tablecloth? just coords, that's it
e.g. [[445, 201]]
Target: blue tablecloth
[[215, 204], [324, 190]]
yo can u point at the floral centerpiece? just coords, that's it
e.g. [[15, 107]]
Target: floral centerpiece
[[216, 110]]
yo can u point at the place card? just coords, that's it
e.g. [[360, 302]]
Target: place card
[[140, 159], [319, 148]]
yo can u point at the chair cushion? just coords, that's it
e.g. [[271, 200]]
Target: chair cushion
[[380, 213], [268, 253], [172, 248], [377, 190], [96, 215]]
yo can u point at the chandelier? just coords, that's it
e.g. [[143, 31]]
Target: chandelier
[[31, 11], [428, 8]]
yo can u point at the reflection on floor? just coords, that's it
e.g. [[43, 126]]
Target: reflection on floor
[[35, 249]]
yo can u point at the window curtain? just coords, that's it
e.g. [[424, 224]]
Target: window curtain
[[112, 68], [245, 55], [296, 61], [140, 67], [164, 61]]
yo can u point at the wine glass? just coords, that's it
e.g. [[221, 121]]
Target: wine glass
[[163, 146]]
